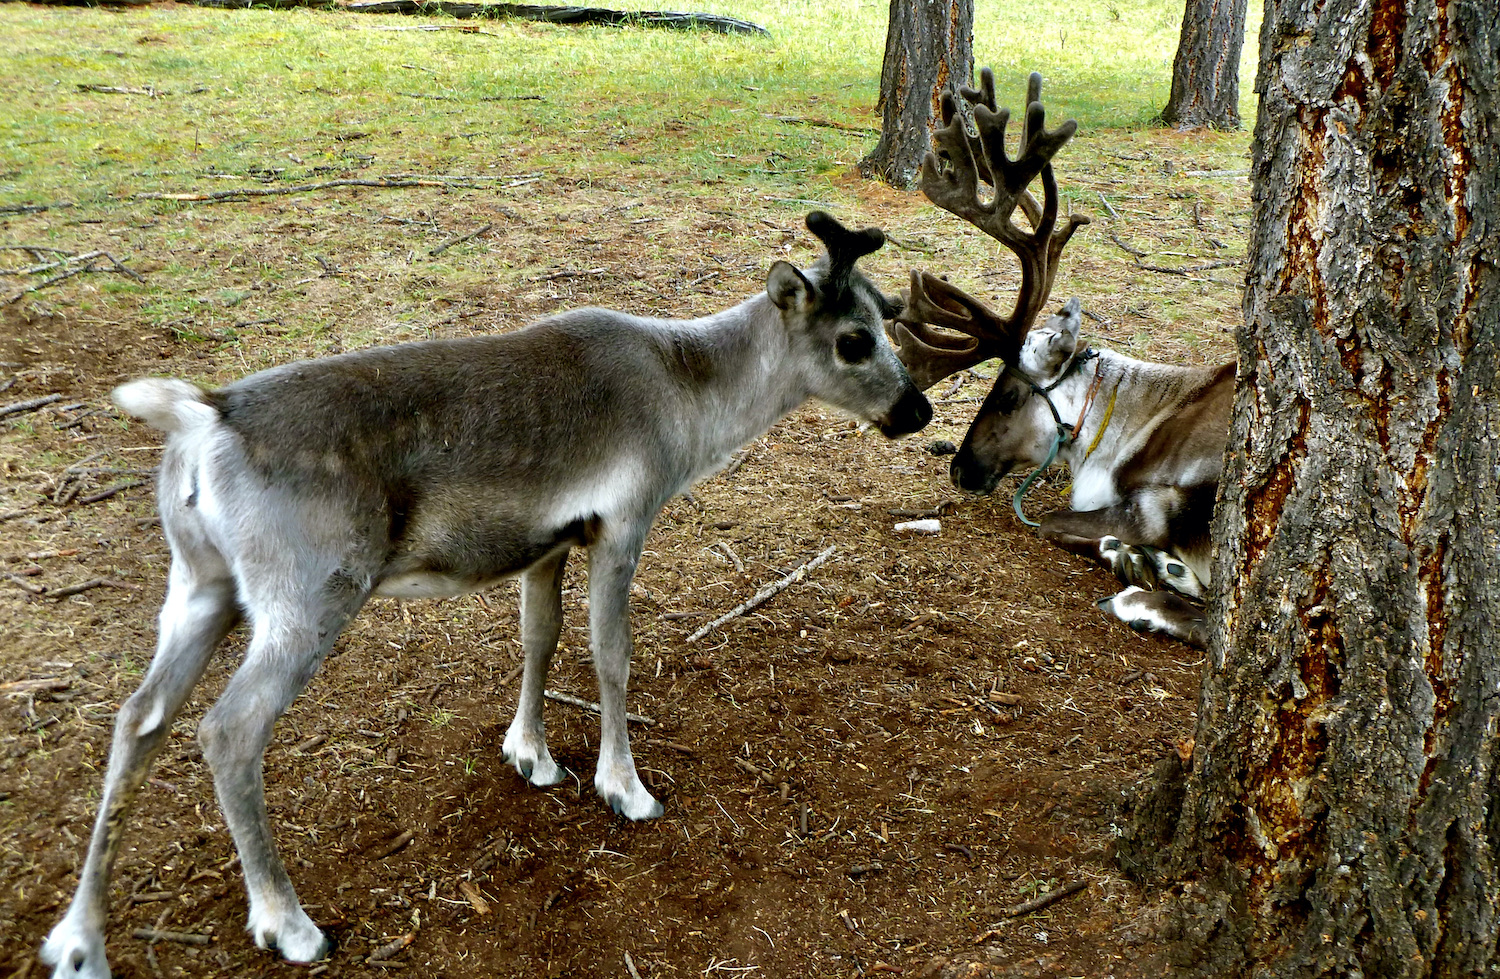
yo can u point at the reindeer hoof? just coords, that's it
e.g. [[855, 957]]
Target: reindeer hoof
[[531, 759], [629, 798], [75, 952], [634, 809], [294, 936]]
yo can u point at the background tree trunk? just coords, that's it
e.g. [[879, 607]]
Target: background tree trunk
[[1342, 813], [929, 47], [1206, 71]]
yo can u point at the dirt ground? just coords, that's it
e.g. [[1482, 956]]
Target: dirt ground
[[860, 777]]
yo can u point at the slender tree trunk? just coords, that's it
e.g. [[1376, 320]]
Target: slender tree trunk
[[1206, 71], [1342, 813], [929, 48]]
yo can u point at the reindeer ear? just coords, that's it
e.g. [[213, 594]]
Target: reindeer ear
[[789, 288], [1067, 321], [1061, 331]]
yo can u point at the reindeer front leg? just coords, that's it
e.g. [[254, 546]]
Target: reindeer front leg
[[612, 563], [1086, 532]]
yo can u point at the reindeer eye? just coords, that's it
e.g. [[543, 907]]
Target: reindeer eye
[[854, 347]]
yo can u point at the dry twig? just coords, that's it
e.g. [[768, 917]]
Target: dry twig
[[407, 835], [219, 196], [1051, 897], [567, 698], [181, 937], [766, 593], [459, 240], [84, 586], [31, 404]]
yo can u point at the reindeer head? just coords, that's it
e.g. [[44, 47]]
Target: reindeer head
[[1016, 425], [942, 329], [836, 316]]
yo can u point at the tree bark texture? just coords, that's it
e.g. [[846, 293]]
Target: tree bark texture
[[929, 48], [1342, 814], [1206, 71]]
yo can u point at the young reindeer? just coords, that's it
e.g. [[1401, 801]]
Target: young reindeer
[[1145, 441], [439, 468]]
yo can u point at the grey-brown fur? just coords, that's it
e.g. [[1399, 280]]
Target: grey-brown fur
[[1143, 487], [438, 468]]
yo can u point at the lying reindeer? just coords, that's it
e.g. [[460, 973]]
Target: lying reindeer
[[1145, 442], [439, 468]]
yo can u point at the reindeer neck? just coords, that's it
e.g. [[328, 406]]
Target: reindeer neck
[[740, 367]]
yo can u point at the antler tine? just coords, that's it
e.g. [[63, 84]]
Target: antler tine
[[930, 355], [951, 176]]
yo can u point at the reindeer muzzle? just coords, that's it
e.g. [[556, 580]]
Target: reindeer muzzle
[[972, 475], [910, 414]]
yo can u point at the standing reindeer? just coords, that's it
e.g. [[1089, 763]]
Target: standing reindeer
[[1145, 442], [436, 469]]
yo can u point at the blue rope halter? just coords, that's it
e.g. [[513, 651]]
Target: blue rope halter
[[1064, 435]]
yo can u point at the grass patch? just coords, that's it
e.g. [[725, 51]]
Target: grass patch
[[659, 157]]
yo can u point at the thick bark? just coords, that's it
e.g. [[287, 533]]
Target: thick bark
[[1342, 815], [1206, 71], [929, 49]]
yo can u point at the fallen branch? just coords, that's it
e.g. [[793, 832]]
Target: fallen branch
[[220, 196], [567, 698], [49, 266], [765, 594], [120, 90], [563, 15], [88, 266], [1186, 270], [105, 494], [386, 951], [459, 240], [50, 684], [32, 209], [84, 586], [32, 404], [750, 767], [826, 124], [1051, 897], [474, 897], [552, 276], [1134, 252]]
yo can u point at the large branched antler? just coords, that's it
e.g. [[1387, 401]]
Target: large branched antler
[[952, 179]]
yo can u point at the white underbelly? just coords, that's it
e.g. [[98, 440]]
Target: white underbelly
[[429, 584]]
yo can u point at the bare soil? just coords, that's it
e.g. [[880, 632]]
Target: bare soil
[[860, 777]]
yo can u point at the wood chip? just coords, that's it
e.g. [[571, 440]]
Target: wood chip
[[407, 835], [474, 897]]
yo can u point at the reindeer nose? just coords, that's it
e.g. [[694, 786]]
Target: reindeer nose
[[971, 475], [911, 414]]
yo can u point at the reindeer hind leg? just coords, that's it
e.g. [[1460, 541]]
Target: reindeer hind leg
[[1165, 612], [292, 632], [199, 610]]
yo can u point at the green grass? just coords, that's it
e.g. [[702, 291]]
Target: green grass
[[583, 133], [252, 92]]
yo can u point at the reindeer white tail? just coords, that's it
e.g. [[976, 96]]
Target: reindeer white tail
[[165, 403]]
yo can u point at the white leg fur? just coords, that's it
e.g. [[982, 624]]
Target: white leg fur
[[525, 744], [611, 566], [75, 948]]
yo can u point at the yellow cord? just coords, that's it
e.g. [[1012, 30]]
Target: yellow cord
[[1109, 412]]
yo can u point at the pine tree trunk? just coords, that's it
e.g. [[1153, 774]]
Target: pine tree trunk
[[1206, 71], [1342, 814], [929, 48]]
